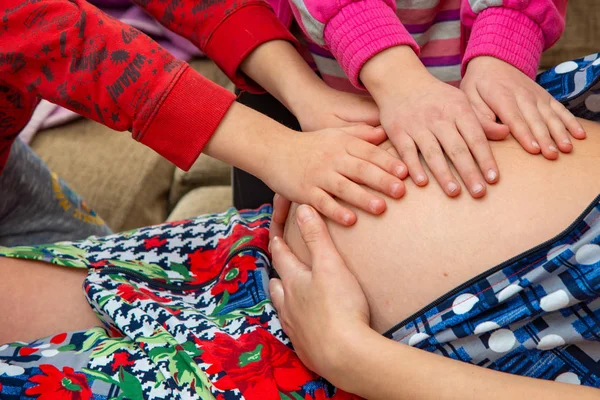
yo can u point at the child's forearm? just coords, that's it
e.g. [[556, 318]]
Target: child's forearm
[[280, 69], [382, 369], [390, 69], [246, 139]]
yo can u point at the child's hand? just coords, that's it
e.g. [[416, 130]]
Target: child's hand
[[540, 123], [419, 111], [332, 108], [313, 167]]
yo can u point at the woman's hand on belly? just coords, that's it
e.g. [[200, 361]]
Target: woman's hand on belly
[[321, 308], [324, 312]]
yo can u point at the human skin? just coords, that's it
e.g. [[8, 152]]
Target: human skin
[[325, 314], [426, 244], [464, 238]]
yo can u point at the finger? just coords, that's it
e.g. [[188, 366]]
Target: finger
[[486, 117], [557, 128], [434, 157], [281, 208], [331, 209], [538, 127], [458, 152], [407, 150], [476, 140], [368, 111], [316, 236], [507, 109], [572, 124], [355, 195], [376, 156], [373, 135], [277, 294], [372, 167], [284, 261]]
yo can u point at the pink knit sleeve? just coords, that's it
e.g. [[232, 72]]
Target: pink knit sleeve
[[360, 31], [515, 31], [353, 30]]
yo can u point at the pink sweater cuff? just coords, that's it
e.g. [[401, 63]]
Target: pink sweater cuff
[[361, 30], [508, 35]]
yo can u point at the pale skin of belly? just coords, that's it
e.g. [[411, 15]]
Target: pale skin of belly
[[426, 243], [423, 246]]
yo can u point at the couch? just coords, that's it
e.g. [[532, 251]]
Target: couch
[[131, 186]]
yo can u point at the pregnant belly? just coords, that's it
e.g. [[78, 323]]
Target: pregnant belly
[[426, 243]]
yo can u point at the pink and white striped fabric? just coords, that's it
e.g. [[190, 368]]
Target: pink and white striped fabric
[[342, 35]]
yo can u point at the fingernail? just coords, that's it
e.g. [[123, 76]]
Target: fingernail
[[535, 144], [347, 218], [396, 187], [399, 170], [420, 178], [492, 175], [477, 188], [452, 187], [373, 204], [553, 148], [581, 130], [566, 141], [274, 242], [305, 213]]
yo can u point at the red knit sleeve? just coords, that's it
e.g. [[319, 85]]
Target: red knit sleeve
[[226, 31], [73, 55]]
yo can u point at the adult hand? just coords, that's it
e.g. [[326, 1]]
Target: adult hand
[[537, 121], [322, 308]]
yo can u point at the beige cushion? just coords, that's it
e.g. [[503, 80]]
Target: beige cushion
[[203, 200], [582, 34], [125, 182], [206, 171]]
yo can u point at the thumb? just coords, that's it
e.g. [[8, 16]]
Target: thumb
[[285, 262], [281, 209], [487, 117], [277, 293], [373, 135], [315, 234]]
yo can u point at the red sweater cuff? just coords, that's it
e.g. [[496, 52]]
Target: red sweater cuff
[[232, 34], [187, 118], [508, 35]]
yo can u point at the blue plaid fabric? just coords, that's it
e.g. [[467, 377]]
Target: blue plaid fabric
[[536, 315], [576, 84]]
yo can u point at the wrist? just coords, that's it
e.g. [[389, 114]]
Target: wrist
[[352, 349], [281, 70], [380, 73], [249, 140]]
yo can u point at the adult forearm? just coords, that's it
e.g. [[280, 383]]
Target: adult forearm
[[384, 369]]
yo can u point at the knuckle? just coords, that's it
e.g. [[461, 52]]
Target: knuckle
[[361, 167], [432, 151], [458, 151], [311, 232], [341, 186], [480, 141], [320, 202]]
